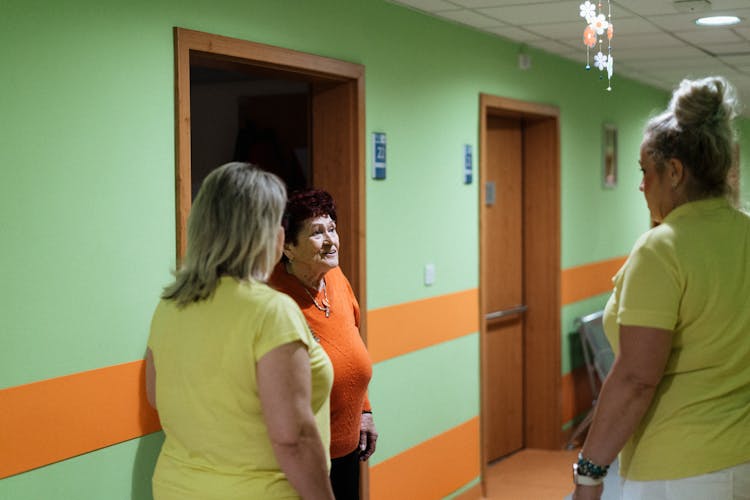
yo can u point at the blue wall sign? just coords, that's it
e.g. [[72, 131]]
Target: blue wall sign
[[468, 161], [378, 155]]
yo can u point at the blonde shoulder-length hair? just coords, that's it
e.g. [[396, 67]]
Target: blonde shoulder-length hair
[[231, 231]]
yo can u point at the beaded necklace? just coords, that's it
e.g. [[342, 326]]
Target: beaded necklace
[[326, 307]]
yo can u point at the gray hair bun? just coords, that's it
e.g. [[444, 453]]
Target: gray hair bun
[[697, 128], [710, 101]]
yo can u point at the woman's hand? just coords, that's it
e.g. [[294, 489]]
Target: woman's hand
[[588, 492], [368, 436]]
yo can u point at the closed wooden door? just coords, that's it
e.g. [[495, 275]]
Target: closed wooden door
[[502, 277]]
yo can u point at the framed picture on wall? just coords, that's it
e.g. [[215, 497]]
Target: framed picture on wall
[[609, 156]]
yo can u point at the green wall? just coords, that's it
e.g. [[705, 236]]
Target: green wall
[[87, 190]]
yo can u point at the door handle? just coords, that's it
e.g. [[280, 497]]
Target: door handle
[[506, 312], [489, 193]]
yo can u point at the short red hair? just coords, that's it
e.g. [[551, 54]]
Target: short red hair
[[303, 205]]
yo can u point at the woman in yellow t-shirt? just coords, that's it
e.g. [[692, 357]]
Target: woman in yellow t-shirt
[[241, 386], [676, 404]]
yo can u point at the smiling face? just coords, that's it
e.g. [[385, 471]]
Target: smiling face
[[655, 186], [317, 248]]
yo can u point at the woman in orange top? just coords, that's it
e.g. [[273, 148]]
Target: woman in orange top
[[309, 272]]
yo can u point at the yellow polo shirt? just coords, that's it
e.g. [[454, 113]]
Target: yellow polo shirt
[[217, 444], [691, 275]]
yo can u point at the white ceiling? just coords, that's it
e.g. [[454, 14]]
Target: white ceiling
[[655, 41]]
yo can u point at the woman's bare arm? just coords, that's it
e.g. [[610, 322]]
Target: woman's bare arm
[[284, 385], [626, 394]]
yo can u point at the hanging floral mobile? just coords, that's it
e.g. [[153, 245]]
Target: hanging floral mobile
[[597, 26]]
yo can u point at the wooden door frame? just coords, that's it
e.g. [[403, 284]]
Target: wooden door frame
[[339, 159], [541, 271], [337, 142]]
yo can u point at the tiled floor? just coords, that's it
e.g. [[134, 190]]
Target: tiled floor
[[532, 475], [537, 475]]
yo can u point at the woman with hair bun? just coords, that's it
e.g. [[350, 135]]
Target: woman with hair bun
[[309, 272], [676, 404]]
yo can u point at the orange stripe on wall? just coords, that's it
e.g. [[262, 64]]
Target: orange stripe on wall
[[56, 419], [403, 328], [396, 330], [432, 469], [588, 280], [51, 420], [471, 494]]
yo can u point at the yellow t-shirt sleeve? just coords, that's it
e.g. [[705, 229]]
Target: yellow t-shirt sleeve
[[651, 287], [282, 323]]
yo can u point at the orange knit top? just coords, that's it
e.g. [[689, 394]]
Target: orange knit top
[[339, 336]]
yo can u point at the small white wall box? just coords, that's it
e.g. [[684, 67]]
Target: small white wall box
[[429, 274]]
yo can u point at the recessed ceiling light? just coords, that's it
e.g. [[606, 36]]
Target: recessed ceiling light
[[717, 21]]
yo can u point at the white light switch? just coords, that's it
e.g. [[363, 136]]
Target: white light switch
[[429, 274]]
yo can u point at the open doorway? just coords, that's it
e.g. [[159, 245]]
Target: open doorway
[[519, 278], [240, 114], [299, 115]]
